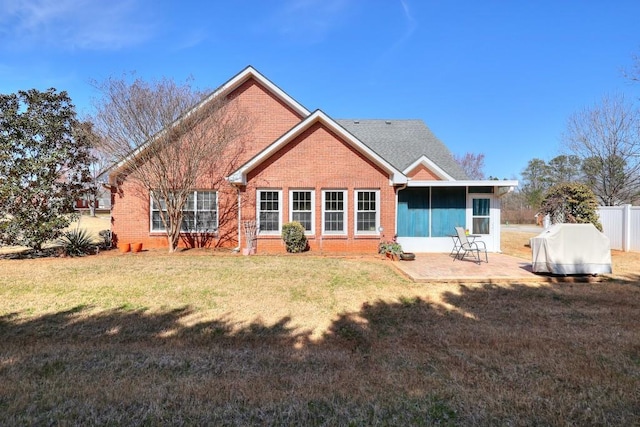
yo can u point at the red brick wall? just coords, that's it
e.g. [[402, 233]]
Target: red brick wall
[[319, 160], [267, 118], [422, 173]]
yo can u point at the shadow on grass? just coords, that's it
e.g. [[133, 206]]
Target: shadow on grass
[[557, 354]]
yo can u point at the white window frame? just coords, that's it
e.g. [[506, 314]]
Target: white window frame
[[195, 204], [376, 230], [345, 213], [478, 196], [151, 212], [313, 208], [280, 202]]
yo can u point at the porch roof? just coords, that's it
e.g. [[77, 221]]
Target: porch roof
[[502, 187]]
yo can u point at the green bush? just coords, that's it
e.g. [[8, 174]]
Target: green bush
[[76, 243], [294, 238], [105, 236], [571, 203], [389, 247]]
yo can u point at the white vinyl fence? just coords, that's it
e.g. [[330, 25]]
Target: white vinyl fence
[[621, 224]]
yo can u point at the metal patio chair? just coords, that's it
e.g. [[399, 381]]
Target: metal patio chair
[[473, 247]]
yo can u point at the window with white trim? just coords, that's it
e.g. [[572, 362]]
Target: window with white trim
[[199, 214], [334, 211], [302, 208], [481, 216], [367, 208], [269, 211], [157, 211]]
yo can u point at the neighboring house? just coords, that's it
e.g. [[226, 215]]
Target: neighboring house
[[101, 201], [351, 183]]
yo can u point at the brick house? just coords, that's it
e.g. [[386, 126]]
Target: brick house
[[349, 182]]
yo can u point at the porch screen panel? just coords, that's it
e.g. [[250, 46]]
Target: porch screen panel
[[448, 206], [413, 212]]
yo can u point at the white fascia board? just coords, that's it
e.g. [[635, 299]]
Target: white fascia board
[[429, 164], [465, 183], [239, 177], [249, 72], [226, 88]]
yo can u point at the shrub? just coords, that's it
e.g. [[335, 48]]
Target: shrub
[[76, 243], [105, 235], [571, 203], [293, 236], [389, 247]]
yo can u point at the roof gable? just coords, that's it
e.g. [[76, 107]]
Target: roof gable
[[431, 167], [251, 73], [239, 177], [235, 82], [404, 143]]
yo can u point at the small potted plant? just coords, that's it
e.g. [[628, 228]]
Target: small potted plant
[[391, 249]]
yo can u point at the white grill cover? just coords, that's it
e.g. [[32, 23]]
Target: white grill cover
[[571, 249]]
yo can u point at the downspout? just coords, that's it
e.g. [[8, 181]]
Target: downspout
[[237, 249], [400, 188]]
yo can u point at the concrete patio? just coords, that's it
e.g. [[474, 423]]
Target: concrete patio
[[442, 268]]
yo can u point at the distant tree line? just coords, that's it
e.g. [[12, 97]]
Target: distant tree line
[[610, 178], [601, 151]]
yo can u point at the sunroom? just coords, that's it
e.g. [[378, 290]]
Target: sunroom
[[428, 211]]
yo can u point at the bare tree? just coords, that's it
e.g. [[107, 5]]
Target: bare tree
[[633, 73], [606, 137], [170, 139], [472, 164], [100, 162]]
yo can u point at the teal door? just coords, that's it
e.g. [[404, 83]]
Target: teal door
[[413, 212]]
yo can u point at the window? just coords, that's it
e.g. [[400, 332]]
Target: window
[[199, 214], [367, 212], [334, 209], [481, 216], [301, 205], [206, 211], [269, 211], [156, 215]]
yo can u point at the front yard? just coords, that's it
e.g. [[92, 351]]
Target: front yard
[[196, 338]]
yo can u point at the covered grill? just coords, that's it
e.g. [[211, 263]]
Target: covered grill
[[571, 249]]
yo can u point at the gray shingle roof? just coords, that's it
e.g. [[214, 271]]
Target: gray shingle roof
[[402, 142]]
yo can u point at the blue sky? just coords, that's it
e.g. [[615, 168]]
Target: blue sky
[[493, 77]]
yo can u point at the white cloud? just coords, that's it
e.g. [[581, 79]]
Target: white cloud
[[190, 39], [74, 24], [310, 21]]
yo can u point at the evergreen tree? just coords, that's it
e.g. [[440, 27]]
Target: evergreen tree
[[43, 166]]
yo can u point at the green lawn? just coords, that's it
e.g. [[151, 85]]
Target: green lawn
[[196, 338]]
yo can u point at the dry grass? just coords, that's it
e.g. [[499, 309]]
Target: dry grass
[[92, 224], [626, 265], [197, 338]]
